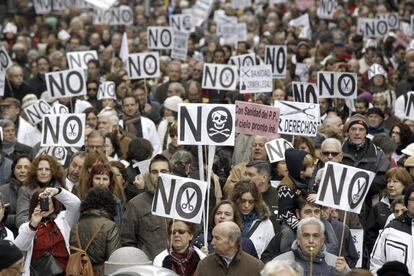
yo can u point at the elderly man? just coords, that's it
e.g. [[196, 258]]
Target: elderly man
[[15, 85], [228, 258], [74, 169], [257, 152], [309, 249], [12, 148], [395, 242], [174, 73]]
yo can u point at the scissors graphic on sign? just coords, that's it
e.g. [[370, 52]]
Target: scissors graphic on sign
[[188, 204], [299, 110]]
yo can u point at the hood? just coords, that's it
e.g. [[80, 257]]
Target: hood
[[294, 159]]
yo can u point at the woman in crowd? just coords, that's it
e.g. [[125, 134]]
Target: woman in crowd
[[45, 238], [5, 233], [91, 117], [181, 256], [44, 172], [97, 216], [120, 173], [19, 171], [397, 180], [397, 208], [226, 210], [112, 148], [256, 224], [402, 136], [102, 176], [173, 146], [170, 118]]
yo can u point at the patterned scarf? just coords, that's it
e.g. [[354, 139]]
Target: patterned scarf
[[248, 221], [184, 264]]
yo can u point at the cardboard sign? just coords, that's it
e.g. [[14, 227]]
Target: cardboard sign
[[179, 50], [179, 198], [5, 60], [122, 15], [37, 110], [220, 17], [373, 28], [182, 22], [302, 71], [337, 85], [206, 124], [102, 4], [80, 59], [159, 38], [68, 83], [43, 6], [66, 130], [256, 79], [298, 118], [201, 10], [107, 90], [344, 187], [358, 239], [241, 4], [219, 76], [60, 153], [257, 119], [392, 19], [376, 69], [276, 56], [304, 92], [326, 9], [143, 65], [276, 149], [243, 60]]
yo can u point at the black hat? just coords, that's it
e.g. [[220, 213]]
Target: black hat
[[357, 38], [393, 268], [375, 110], [9, 254]]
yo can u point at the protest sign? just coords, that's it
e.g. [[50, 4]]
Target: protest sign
[[276, 149], [182, 22], [220, 17], [238, 30], [302, 71], [344, 187], [404, 106], [256, 119], [241, 4], [326, 9], [61, 5], [102, 4], [43, 6], [107, 90], [160, 38], [372, 27], [305, 92], [337, 85], [243, 60], [179, 50], [122, 15], [412, 23], [256, 79], [376, 69], [201, 10], [392, 19], [206, 124], [143, 167], [68, 83], [219, 76], [2, 82], [276, 56], [358, 239], [143, 65], [60, 153], [304, 4], [58, 108], [80, 59], [179, 198], [275, 2], [5, 60], [66, 130], [298, 118], [37, 110]]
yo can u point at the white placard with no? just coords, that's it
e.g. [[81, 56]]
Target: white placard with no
[[80, 59], [143, 65], [219, 76], [67, 83], [37, 110], [276, 149], [107, 90], [66, 130], [276, 56]]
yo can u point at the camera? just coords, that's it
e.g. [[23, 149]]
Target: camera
[[44, 203]]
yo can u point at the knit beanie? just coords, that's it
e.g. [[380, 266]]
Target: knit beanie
[[9, 254], [377, 111], [408, 191], [358, 119]]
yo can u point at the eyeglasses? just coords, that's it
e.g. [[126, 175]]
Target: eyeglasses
[[179, 231], [333, 153]]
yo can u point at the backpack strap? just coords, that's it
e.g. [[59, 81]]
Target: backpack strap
[[93, 237], [253, 228], [77, 236]]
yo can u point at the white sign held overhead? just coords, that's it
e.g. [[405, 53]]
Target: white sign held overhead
[[243, 60], [344, 187], [60, 153], [43, 6], [179, 198], [376, 69], [305, 92], [66, 130], [238, 30], [326, 9], [276, 56], [102, 4], [5, 60], [107, 90], [206, 124], [182, 22], [68, 83], [201, 10], [143, 65], [408, 105], [392, 19], [61, 5], [256, 79], [122, 15], [337, 85], [37, 110], [58, 108], [80, 59], [241, 4], [219, 76], [373, 28], [298, 118], [160, 38], [276, 149], [179, 50]]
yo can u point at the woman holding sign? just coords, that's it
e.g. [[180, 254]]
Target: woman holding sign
[[181, 256]]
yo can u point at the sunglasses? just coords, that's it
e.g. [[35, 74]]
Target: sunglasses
[[179, 231], [333, 153]]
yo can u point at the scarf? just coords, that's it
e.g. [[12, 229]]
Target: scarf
[[184, 264], [248, 221]]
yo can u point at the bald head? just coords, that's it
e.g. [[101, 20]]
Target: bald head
[[257, 148], [226, 239], [334, 122]]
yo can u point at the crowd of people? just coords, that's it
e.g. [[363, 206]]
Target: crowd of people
[[264, 219]]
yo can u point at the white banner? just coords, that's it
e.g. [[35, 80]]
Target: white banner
[[37, 110], [160, 38], [276, 149], [201, 10], [219, 76], [66, 130], [143, 65], [305, 92], [326, 9], [122, 15], [68, 83], [337, 85], [256, 79], [80, 59], [182, 22]]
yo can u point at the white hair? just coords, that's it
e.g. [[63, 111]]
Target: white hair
[[111, 114], [332, 140], [277, 267], [311, 221]]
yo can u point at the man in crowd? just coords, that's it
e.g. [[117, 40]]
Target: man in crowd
[[73, 172], [174, 74], [12, 148]]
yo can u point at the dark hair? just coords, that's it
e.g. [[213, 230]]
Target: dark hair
[[405, 134], [362, 100], [219, 50], [160, 158], [236, 215], [384, 142], [15, 161], [94, 61], [129, 95], [262, 167], [34, 201], [139, 149], [301, 202], [121, 167], [247, 186], [6, 210], [304, 140], [43, 57], [114, 141], [100, 169], [191, 226], [99, 199]]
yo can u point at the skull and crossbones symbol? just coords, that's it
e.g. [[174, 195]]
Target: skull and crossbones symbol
[[219, 119]]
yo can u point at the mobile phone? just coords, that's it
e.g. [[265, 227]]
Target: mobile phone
[[44, 203]]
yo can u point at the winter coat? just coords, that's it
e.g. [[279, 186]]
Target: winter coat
[[236, 174], [5, 169], [160, 257], [395, 243], [377, 218], [142, 229], [64, 221], [241, 264], [106, 242], [9, 194]]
